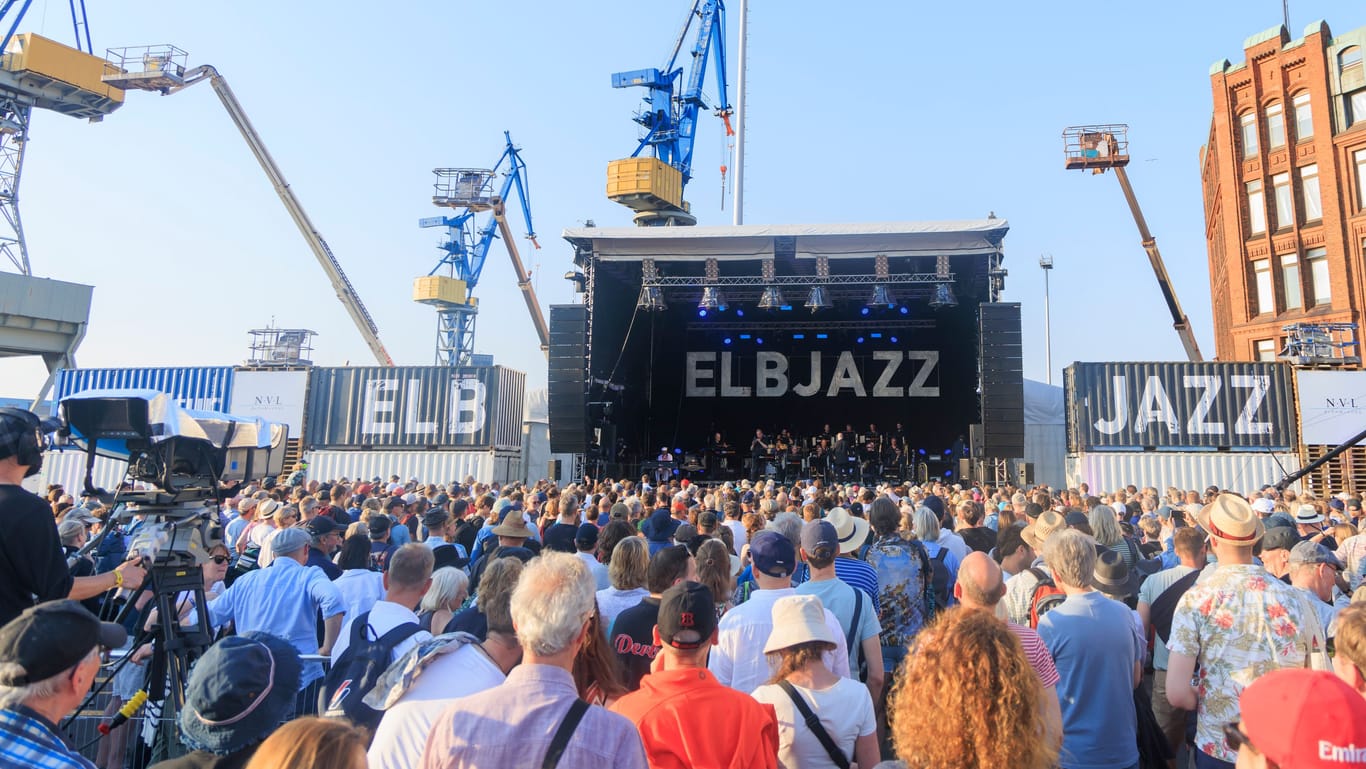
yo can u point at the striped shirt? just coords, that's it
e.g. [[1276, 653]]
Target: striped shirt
[[1038, 655], [28, 739], [861, 575]]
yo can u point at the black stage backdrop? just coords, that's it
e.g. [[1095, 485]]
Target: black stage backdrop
[[680, 379]]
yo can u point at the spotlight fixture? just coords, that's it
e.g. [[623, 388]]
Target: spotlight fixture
[[651, 299], [712, 300], [882, 297], [772, 298], [943, 296], [817, 300]]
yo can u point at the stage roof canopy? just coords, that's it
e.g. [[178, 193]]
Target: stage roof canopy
[[804, 241]]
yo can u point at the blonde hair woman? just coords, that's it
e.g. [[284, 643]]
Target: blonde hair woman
[[626, 571], [312, 743]]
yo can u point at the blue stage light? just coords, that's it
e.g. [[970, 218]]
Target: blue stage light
[[785, 307], [822, 336], [905, 311], [948, 473], [744, 336], [799, 336], [876, 335], [701, 313], [760, 340], [678, 451], [863, 311], [859, 340], [922, 452], [893, 340], [726, 340], [739, 313]]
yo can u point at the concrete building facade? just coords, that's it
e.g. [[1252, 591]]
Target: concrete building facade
[[1284, 179]]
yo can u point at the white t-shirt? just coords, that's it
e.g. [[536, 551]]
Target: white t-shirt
[[360, 589], [384, 616], [737, 530], [845, 710], [612, 602], [402, 733], [598, 569]]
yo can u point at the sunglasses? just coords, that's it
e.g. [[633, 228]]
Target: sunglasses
[[220, 559], [1236, 738]]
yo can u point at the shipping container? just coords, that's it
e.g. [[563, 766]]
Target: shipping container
[[427, 466], [415, 407], [207, 388], [278, 396], [1180, 405], [67, 469], [1239, 471]]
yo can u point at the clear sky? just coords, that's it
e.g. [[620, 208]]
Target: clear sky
[[865, 111]]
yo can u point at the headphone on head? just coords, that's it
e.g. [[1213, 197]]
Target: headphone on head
[[21, 437]]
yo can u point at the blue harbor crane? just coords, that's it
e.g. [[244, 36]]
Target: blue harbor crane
[[651, 181], [449, 287]]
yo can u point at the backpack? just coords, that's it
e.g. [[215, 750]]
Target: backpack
[[357, 670], [941, 582], [1045, 597]]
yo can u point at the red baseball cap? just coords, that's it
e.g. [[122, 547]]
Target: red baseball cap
[[1305, 719]]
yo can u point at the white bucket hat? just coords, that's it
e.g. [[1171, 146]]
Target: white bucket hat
[[797, 619], [852, 531]]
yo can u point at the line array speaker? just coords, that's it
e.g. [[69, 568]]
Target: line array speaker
[[1001, 363], [568, 379]]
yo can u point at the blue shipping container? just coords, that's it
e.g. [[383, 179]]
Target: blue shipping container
[[202, 387]]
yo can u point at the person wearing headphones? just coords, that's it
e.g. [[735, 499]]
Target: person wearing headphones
[[32, 563]]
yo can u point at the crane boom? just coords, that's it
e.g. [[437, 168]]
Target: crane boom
[[524, 281], [345, 291]]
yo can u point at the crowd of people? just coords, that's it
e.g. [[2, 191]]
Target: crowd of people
[[389, 623]]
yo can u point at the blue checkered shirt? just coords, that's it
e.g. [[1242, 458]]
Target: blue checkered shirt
[[29, 740]]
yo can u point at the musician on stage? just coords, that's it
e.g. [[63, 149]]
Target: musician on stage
[[664, 472], [840, 454], [895, 457], [758, 449]]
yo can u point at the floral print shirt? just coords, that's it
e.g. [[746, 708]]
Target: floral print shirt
[[902, 587], [1239, 623]]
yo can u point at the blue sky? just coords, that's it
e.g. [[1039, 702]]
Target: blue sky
[[868, 111]]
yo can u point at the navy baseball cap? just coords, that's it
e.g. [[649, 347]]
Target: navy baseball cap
[[687, 606], [819, 539], [773, 554]]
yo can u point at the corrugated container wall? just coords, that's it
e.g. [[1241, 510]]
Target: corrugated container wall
[[426, 466], [201, 387], [67, 469], [427, 407], [1242, 472], [1180, 405]]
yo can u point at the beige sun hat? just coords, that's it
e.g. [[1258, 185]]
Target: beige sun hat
[[267, 508], [1229, 518], [797, 619], [852, 531], [1038, 531]]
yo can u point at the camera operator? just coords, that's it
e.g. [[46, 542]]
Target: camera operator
[[32, 563]]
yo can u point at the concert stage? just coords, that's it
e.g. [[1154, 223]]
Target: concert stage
[[689, 331]]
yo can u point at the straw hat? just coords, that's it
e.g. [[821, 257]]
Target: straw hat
[[1230, 519], [267, 508], [797, 619], [1039, 530], [852, 531]]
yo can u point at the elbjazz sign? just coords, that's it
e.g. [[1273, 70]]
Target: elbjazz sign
[[1179, 406], [879, 374]]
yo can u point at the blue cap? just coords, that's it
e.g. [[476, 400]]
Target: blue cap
[[239, 691], [773, 554], [820, 539]]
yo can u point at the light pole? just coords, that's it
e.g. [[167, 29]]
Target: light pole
[[1046, 264]]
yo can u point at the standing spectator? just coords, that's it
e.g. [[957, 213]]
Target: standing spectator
[[513, 723], [238, 693], [717, 568], [971, 528], [737, 660], [359, 585], [246, 513], [631, 636], [1284, 723], [1012, 553], [49, 656], [382, 548], [988, 707], [1276, 546], [1350, 661], [405, 583], [627, 572], [327, 539], [851, 606], [73, 535], [1020, 588], [905, 580], [849, 566], [450, 587], [500, 577], [803, 686], [665, 708], [1314, 570], [561, 535], [980, 587], [586, 544], [284, 600], [1157, 600], [1225, 624], [1098, 659], [310, 743]]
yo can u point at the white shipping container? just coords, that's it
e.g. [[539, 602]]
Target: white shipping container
[[67, 468], [1194, 470], [427, 466]]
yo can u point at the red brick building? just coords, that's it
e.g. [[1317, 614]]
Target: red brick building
[[1284, 178]]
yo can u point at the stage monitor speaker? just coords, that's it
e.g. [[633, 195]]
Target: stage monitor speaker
[[1001, 363], [965, 475], [1024, 474], [553, 470], [568, 377]]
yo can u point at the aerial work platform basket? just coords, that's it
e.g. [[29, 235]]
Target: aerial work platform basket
[[1097, 147], [470, 188], [147, 67]]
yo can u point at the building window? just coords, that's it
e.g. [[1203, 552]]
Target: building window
[[1309, 187], [1304, 119], [1320, 292], [1266, 296], [1249, 122], [1290, 281], [1256, 202], [1264, 349], [1285, 202], [1360, 157], [1353, 80], [1275, 126]]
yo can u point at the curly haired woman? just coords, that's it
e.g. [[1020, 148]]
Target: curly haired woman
[[986, 712]]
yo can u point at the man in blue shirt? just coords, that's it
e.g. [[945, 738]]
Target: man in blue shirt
[[1099, 662], [284, 599]]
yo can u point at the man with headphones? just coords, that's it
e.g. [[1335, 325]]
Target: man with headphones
[[32, 564]]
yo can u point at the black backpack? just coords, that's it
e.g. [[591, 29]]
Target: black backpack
[[941, 583], [357, 670]]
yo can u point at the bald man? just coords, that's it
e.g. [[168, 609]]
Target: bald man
[[980, 587]]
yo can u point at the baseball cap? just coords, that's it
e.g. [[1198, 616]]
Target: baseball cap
[[773, 554], [586, 535], [435, 517], [1264, 505], [684, 607], [1279, 538], [321, 526], [380, 523], [685, 532], [394, 502], [50, 638], [819, 539], [706, 521], [81, 515], [1311, 554], [239, 691], [1285, 717]]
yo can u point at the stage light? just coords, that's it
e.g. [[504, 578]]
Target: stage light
[[876, 335], [943, 296], [651, 299], [822, 336], [760, 340], [744, 337], [882, 297], [799, 336], [893, 340], [678, 451], [817, 300], [772, 299], [726, 340], [859, 340], [701, 313], [905, 311], [712, 300], [785, 308], [739, 313], [863, 311]]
